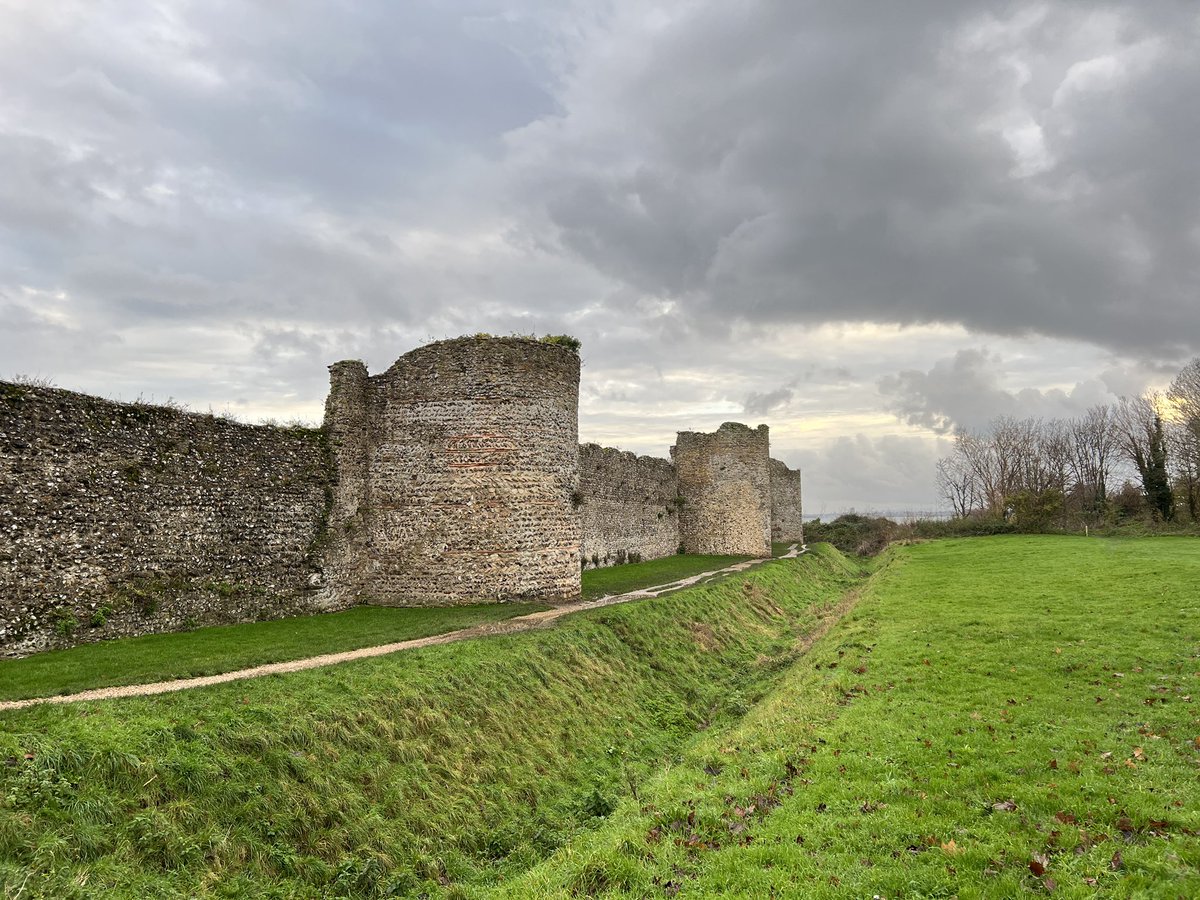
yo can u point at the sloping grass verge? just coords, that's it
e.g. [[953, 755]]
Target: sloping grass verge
[[997, 717], [225, 648], [418, 772]]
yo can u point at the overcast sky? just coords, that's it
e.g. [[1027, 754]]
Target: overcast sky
[[862, 223]]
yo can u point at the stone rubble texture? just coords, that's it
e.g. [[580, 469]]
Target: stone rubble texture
[[454, 477], [787, 524], [725, 484], [460, 465], [120, 519], [629, 506]]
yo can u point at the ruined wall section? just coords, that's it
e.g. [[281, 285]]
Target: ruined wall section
[[725, 485], [472, 464], [787, 523], [348, 427], [123, 519], [628, 506]]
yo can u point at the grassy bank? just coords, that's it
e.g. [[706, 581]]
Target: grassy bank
[[425, 771], [208, 651], [999, 716]]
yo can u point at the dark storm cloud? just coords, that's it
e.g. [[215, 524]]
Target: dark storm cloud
[[1011, 167]]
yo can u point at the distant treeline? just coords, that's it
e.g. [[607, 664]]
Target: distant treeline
[[1137, 459]]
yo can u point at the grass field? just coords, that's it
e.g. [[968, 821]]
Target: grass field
[[208, 651], [999, 716]]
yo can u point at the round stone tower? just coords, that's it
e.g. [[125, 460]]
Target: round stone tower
[[471, 474]]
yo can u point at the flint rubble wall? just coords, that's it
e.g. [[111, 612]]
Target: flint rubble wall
[[125, 519], [627, 505], [787, 522], [459, 469]]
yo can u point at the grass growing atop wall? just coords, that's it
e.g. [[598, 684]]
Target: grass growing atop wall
[[999, 717], [418, 772], [225, 648], [635, 576]]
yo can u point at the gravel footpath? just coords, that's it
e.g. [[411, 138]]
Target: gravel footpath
[[510, 626]]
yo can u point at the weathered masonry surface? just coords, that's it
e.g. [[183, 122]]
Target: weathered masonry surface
[[458, 468], [726, 488], [454, 477], [787, 524], [119, 519], [722, 494], [629, 506]]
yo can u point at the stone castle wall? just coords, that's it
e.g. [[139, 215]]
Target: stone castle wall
[[787, 523], [628, 506], [453, 477], [120, 519], [459, 470], [725, 484]]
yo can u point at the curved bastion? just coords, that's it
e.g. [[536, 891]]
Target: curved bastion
[[458, 472]]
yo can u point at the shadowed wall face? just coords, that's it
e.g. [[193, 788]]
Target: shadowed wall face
[[787, 521], [461, 471], [124, 519], [724, 482], [627, 505]]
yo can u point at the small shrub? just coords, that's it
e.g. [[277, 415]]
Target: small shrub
[[597, 804], [100, 617], [563, 340], [65, 622]]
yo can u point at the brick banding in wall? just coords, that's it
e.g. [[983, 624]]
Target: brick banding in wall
[[453, 477]]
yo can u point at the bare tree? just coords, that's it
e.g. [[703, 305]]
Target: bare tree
[[1184, 433], [1093, 453], [957, 484]]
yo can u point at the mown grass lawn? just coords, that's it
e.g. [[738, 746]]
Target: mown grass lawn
[[225, 648], [635, 576], [999, 716]]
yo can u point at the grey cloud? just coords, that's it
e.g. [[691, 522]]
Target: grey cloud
[[905, 163], [887, 474], [761, 404], [966, 391]]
